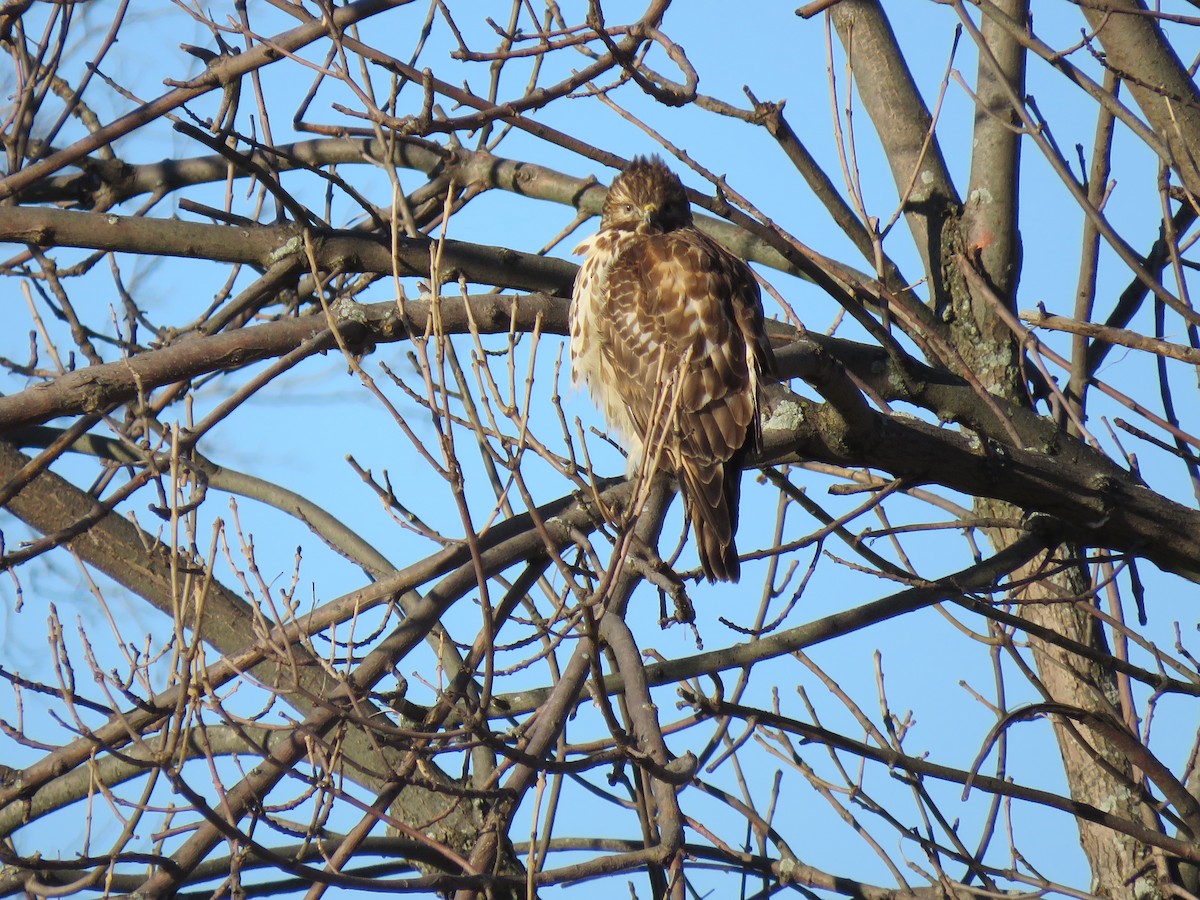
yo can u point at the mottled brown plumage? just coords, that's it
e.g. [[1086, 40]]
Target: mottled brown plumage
[[667, 333]]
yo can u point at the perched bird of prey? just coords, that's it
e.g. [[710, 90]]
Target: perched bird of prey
[[667, 333]]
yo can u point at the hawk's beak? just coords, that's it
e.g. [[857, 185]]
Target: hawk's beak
[[649, 214]]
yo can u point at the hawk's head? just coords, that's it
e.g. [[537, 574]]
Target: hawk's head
[[647, 198]]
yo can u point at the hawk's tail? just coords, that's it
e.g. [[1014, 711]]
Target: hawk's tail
[[710, 493]]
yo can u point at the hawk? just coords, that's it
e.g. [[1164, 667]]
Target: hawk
[[667, 333]]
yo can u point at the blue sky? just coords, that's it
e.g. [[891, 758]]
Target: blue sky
[[301, 429]]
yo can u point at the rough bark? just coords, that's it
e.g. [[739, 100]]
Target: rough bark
[[1097, 770]]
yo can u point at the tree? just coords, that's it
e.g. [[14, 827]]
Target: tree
[[417, 654]]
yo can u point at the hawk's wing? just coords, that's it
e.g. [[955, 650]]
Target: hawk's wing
[[683, 314]]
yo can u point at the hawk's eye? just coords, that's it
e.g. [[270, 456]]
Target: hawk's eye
[[628, 207]]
